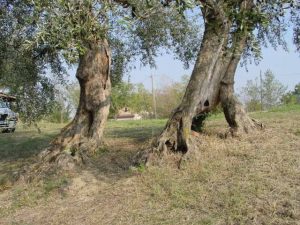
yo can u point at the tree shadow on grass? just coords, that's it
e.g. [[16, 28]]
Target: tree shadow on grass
[[22, 147], [115, 159], [19, 149], [112, 161], [138, 134]]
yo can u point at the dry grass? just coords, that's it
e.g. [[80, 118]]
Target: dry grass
[[251, 180]]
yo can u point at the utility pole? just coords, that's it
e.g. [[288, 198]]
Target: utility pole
[[261, 92], [62, 115], [153, 96]]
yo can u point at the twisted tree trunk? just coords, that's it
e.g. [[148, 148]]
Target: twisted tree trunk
[[235, 115], [84, 134], [202, 93], [211, 82]]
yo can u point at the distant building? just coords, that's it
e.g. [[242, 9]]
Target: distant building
[[126, 114]]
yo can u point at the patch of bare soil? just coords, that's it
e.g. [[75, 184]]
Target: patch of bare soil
[[249, 180]]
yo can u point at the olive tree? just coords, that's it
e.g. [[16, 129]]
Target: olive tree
[[101, 37], [233, 30]]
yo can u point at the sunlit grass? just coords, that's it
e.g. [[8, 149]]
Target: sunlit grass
[[249, 180]]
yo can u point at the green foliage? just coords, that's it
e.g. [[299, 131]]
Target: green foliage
[[295, 20], [121, 95], [263, 94], [263, 23], [43, 35], [59, 114], [69, 26], [140, 30], [274, 17], [135, 97], [169, 96], [272, 89], [22, 73], [168, 29], [33, 90], [253, 105], [141, 99], [292, 97]]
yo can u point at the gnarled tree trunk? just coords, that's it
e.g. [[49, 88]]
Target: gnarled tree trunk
[[211, 83], [202, 93], [84, 134], [236, 117]]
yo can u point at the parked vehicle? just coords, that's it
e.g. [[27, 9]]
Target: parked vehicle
[[8, 118]]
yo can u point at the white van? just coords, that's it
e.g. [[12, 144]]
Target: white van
[[8, 118]]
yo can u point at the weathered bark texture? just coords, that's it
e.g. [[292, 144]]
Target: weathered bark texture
[[202, 93], [211, 82], [84, 134], [236, 117]]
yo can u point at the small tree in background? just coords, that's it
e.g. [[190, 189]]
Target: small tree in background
[[272, 90], [264, 94], [133, 96], [169, 96], [292, 97], [120, 97], [251, 93], [141, 99]]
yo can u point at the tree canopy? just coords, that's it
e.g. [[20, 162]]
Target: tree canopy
[[40, 37], [133, 29], [21, 72]]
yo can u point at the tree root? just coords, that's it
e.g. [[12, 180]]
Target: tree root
[[162, 151], [59, 157], [167, 149], [243, 124]]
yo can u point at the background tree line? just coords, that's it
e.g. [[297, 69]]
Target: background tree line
[[257, 94], [266, 92]]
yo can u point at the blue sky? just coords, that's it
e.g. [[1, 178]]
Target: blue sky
[[284, 65]]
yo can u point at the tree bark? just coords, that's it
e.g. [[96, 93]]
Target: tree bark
[[202, 93], [235, 115], [84, 134], [211, 82]]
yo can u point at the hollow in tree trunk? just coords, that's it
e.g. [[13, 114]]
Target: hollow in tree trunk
[[84, 134]]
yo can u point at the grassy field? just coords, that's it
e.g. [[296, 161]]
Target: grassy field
[[249, 180]]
